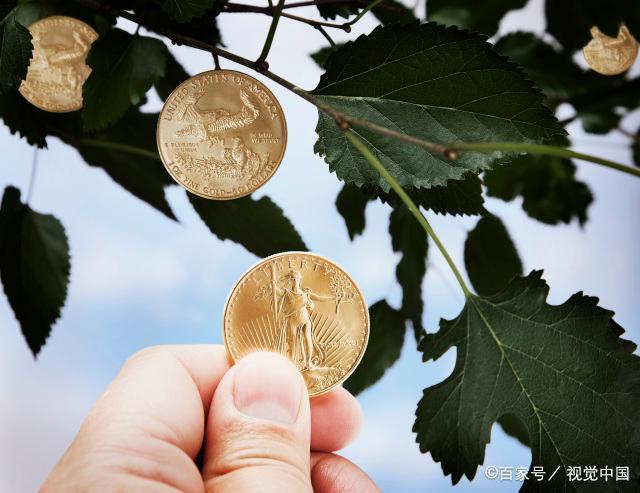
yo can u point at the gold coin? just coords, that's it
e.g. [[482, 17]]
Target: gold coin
[[304, 307], [611, 56], [57, 69], [221, 134]]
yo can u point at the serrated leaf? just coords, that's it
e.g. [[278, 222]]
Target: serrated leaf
[[482, 16], [203, 28], [322, 55], [550, 190], [490, 257], [175, 74], [333, 10], [124, 67], [409, 239], [23, 118], [570, 21], [129, 155], [562, 370], [457, 197], [386, 12], [440, 84], [351, 204], [386, 337], [258, 225], [15, 48], [185, 10], [34, 267]]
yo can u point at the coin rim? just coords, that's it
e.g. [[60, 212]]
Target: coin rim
[[286, 254], [284, 137], [42, 107]]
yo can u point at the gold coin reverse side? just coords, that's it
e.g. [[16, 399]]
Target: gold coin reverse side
[[304, 307], [611, 56], [221, 134], [57, 69]]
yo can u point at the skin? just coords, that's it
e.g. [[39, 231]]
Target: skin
[[251, 426]]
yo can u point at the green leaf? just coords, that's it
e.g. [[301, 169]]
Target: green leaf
[[34, 267], [351, 204], [333, 10], [15, 48], [258, 225], [185, 10], [129, 154], [386, 337], [457, 197], [174, 75], [550, 191], [438, 84], [387, 12], [563, 371], [570, 21], [23, 118], [470, 14], [29, 11], [124, 67], [203, 28], [409, 239], [490, 256], [322, 55], [553, 71]]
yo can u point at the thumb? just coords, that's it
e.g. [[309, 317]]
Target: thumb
[[258, 430]]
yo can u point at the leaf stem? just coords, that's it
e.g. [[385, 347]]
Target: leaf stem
[[275, 13], [411, 205], [544, 150], [364, 11], [34, 170], [324, 32]]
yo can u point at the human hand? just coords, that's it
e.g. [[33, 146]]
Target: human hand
[[252, 424]]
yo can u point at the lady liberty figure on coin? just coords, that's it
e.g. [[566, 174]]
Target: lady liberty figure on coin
[[296, 338]]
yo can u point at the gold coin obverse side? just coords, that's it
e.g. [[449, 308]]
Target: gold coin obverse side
[[58, 69], [305, 307], [221, 134]]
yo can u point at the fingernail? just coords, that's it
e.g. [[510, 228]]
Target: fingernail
[[267, 387]]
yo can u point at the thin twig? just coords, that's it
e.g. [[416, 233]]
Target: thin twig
[[232, 8], [275, 14], [324, 32]]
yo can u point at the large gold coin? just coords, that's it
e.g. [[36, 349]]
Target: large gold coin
[[611, 56], [221, 134], [304, 307], [57, 69]]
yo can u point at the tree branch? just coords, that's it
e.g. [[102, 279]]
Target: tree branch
[[232, 8]]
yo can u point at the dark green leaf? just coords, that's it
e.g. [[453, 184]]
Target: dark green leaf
[[570, 21], [333, 10], [439, 84], [29, 11], [203, 28], [554, 72], [258, 225], [563, 371], [386, 338], [457, 197], [23, 118], [387, 12], [512, 426], [124, 67], [129, 154], [185, 10], [351, 204], [410, 240], [174, 75], [490, 256], [34, 267], [551, 193], [482, 16], [15, 48], [322, 55]]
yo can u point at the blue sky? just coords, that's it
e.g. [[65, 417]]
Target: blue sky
[[139, 279]]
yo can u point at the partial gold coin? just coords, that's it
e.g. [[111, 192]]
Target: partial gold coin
[[221, 134], [57, 69], [611, 56], [304, 307]]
